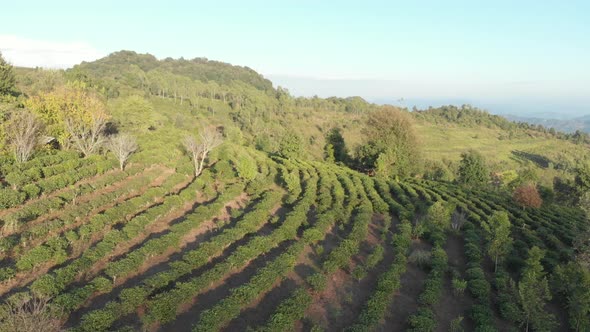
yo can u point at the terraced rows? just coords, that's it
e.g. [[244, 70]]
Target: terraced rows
[[300, 246]]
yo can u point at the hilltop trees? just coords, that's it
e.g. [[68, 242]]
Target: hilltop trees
[[392, 146], [473, 170], [7, 78], [23, 131], [497, 230], [209, 138], [122, 146]]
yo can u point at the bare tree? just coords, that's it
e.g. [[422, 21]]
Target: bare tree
[[31, 315], [209, 139], [87, 136], [23, 132], [458, 219], [122, 146]]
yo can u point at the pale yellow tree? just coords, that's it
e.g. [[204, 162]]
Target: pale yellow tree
[[74, 115]]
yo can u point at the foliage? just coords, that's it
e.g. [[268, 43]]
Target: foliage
[[508, 296], [438, 171], [533, 292], [473, 170], [392, 148], [459, 286], [456, 325], [420, 258], [72, 114], [290, 146], [527, 196], [423, 320], [572, 282], [7, 78], [335, 147], [581, 248], [94, 228], [246, 168], [438, 221], [497, 229]]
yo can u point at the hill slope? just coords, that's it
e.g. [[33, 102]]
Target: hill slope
[[271, 243]]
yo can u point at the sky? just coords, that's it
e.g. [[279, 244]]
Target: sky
[[525, 57]]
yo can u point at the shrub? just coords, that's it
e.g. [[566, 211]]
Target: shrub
[[422, 321], [459, 286], [420, 258], [375, 257], [10, 198], [32, 190], [527, 196], [246, 168], [359, 273], [317, 281], [482, 317], [6, 273], [457, 324]]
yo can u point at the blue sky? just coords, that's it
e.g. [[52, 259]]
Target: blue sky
[[522, 55]]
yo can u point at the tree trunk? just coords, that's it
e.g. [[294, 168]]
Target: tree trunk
[[496, 264]]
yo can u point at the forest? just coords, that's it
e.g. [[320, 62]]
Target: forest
[[139, 194]]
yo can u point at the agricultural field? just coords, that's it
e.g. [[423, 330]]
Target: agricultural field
[[139, 194], [261, 244]]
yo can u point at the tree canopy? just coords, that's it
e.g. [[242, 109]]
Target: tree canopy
[[7, 78], [392, 147], [473, 170]]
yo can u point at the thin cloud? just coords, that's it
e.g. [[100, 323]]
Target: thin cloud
[[25, 52]]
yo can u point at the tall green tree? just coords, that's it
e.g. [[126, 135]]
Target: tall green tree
[[392, 147], [291, 145], [438, 221], [533, 292], [572, 281], [473, 170], [335, 146], [583, 177], [7, 78], [497, 230]]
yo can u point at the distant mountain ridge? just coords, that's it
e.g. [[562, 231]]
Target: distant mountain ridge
[[581, 123]]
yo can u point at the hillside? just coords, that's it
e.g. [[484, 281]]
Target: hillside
[[290, 226]]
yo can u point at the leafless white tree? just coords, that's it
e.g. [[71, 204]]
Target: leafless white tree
[[87, 136], [122, 146], [23, 133], [31, 315], [198, 149]]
